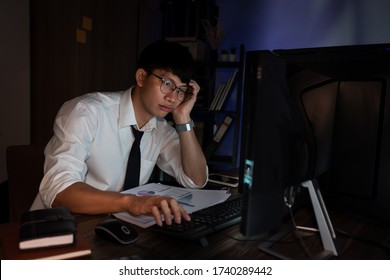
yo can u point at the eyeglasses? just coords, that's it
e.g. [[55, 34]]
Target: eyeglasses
[[168, 86]]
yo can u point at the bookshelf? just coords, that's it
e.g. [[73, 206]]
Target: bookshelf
[[220, 112]]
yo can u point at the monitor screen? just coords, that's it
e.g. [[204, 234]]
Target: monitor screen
[[315, 114]]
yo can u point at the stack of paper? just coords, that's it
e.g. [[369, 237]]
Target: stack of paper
[[191, 200]]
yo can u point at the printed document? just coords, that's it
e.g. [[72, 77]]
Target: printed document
[[190, 199]]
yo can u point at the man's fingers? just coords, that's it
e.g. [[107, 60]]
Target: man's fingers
[[176, 210], [166, 211], [161, 207], [157, 215]]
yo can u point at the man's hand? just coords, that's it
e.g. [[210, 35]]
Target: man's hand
[[182, 112], [158, 206]]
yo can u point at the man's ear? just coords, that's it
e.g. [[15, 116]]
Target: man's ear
[[140, 76]]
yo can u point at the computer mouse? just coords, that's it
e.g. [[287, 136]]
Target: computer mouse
[[116, 231]]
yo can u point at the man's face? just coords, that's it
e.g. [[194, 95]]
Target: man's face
[[162, 92]]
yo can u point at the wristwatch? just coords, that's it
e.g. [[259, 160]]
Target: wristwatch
[[185, 127]]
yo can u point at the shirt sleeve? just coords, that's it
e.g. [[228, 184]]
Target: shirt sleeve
[[170, 159], [67, 151]]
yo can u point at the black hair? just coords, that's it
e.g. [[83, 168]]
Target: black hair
[[169, 56]]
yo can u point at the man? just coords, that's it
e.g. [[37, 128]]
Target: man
[[86, 159]]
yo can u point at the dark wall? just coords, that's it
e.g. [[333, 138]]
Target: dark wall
[[264, 24]]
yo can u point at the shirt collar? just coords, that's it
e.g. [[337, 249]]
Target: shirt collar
[[126, 113]]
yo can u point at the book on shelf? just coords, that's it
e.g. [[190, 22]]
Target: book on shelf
[[218, 135], [9, 242], [223, 92], [217, 96], [46, 228], [226, 90]]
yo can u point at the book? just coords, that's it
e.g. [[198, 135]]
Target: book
[[218, 135], [217, 96], [46, 227], [226, 90], [9, 242], [190, 199], [223, 92]]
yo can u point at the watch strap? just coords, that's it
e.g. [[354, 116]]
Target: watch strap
[[185, 127]]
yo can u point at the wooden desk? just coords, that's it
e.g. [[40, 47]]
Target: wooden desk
[[225, 244], [366, 241], [155, 246], [230, 244]]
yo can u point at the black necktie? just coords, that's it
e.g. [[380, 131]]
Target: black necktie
[[134, 162]]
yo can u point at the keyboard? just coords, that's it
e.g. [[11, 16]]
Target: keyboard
[[205, 221]]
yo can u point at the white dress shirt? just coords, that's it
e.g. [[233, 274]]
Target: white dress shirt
[[92, 141]]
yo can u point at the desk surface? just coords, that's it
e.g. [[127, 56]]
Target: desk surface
[[226, 244], [231, 244], [150, 245], [366, 241]]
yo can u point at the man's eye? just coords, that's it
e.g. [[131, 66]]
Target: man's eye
[[167, 83]]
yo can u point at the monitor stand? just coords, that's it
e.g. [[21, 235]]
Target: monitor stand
[[325, 227]]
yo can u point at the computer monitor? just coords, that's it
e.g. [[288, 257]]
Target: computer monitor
[[317, 118]]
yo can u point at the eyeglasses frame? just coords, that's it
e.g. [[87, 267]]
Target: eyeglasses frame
[[187, 94]]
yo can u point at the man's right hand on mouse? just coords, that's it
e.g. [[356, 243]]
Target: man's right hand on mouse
[[158, 206]]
